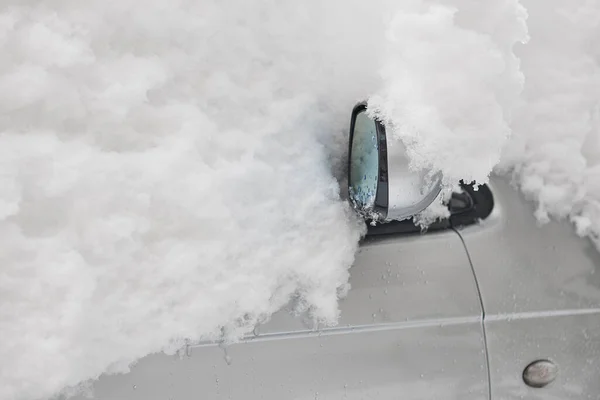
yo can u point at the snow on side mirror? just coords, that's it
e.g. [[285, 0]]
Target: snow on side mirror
[[381, 186]]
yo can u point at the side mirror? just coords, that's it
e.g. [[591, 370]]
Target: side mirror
[[381, 186]]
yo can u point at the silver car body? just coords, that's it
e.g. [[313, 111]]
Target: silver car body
[[446, 315]]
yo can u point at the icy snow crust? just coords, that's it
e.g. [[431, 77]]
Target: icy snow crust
[[168, 168]]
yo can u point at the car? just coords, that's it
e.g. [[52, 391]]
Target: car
[[486, 304]]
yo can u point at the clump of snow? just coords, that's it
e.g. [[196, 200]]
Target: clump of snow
[[167, 173], [168, 170], [554, 153], [450, 82]]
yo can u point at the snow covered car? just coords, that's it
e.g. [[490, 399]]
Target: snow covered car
[[486, 305]]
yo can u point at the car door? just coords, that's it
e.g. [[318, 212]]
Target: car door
[[410, 328], [540, 287]]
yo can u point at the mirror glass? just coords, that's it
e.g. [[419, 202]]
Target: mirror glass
[[400, 192], [364, 163]]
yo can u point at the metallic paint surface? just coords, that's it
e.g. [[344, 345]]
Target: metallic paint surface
[[410, 328], [540, 289]]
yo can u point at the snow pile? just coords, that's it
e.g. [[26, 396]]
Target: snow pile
[[167, 172], [450, 82], [554, 152]]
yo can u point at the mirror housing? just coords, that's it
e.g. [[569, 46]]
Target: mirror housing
[[381, 185]]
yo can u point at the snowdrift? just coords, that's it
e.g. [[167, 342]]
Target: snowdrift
[[171, 171]]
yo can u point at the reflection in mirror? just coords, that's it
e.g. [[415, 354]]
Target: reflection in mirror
[[364, 163]]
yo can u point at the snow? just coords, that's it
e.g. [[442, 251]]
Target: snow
[[174, 172], [454, 118], [554, 152]]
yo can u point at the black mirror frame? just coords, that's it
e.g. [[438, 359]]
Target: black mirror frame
[[381, 203]]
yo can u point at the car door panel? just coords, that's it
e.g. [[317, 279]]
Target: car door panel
[[572, 342], [420, 362], [540, 288], [410, 328]]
